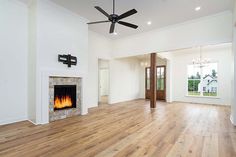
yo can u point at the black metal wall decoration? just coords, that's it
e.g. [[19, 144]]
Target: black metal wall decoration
[[67, 59]]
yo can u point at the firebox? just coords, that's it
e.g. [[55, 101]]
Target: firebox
[[64, 97]]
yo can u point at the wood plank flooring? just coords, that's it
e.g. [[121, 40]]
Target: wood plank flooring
[[127, 129], [103, 100]]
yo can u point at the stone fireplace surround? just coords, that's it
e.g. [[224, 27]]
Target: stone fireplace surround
[[61, 114], [42, 105]]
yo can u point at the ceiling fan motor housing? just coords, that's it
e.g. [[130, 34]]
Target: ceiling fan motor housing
[[114, 18]]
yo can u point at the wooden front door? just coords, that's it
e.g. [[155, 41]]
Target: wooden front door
[[161, 83]]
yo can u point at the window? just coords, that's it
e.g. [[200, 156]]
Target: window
[[204, 89], [202, 80]]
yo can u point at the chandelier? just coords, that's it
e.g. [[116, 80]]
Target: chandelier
[[201, 62], [144, 64]]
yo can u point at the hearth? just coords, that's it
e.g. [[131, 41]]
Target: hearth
[[64, 97]]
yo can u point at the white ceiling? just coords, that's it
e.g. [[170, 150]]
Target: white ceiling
[[161, 12], [146, 57]]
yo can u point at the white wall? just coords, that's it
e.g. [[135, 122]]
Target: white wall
[[13, 61], [233, 69], [103, 64], [169, 81], [142, 82], [181, 58], [58, 31], [98, 47], [207, 30], [32, 61], [124, 78]]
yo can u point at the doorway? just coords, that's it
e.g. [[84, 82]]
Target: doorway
[[161, 83], [103, 82]]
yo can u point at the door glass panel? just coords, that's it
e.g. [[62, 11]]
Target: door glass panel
[[158, 72], [162, 72], [160, 78], [148, 78]]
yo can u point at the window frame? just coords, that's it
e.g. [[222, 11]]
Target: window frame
[[201, 93]]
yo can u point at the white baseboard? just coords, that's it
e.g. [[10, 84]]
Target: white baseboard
[[14, 120], [32, 122], [84, 113]]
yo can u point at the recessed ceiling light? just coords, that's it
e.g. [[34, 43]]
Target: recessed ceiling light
[[149, 23], [198, 8], [114, 33]]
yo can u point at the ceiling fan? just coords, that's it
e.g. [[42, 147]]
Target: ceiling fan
[[114, 18]]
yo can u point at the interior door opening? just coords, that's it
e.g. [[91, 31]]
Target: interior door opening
[[103, 81]]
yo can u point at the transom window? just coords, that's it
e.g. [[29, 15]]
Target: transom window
[[203, 80]]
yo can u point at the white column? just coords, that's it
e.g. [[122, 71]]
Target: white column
[[32, 61]]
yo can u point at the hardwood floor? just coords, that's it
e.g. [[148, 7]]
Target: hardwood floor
[[103, 100], [127, 129]]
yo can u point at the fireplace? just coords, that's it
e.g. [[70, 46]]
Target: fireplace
[[64, 97]]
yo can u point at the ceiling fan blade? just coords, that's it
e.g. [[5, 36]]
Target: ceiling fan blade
[[112, 28], [126, 14], [128, 24], [98, 22], [103, 12]]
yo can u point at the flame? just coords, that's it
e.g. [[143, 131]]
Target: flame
[[62, 102]]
